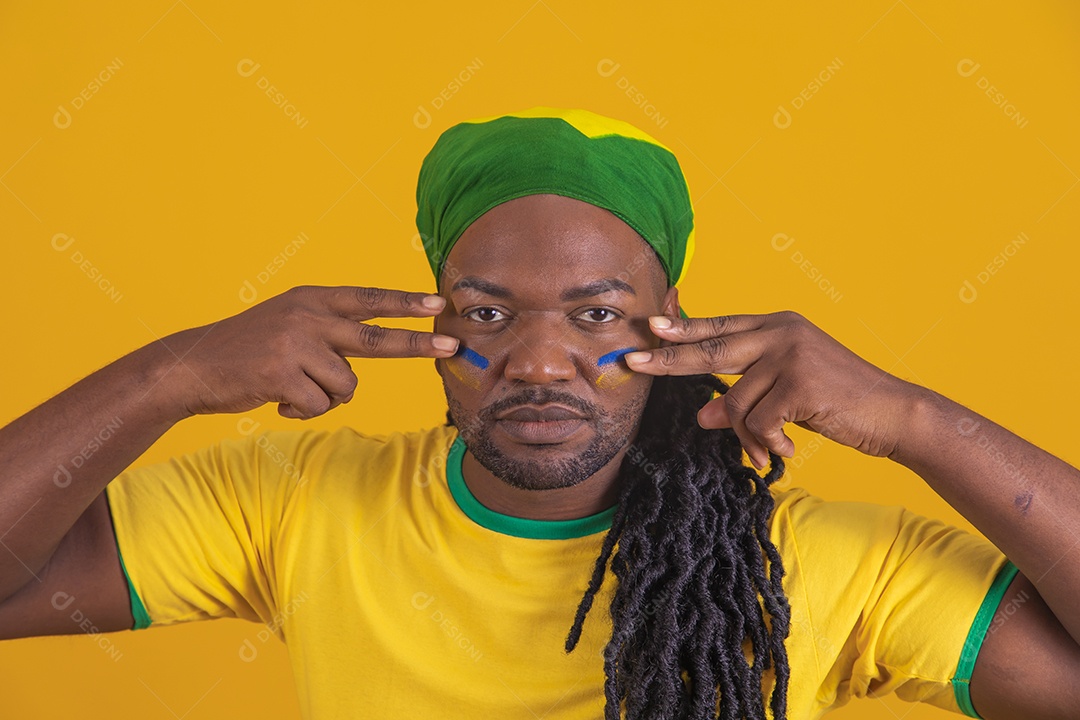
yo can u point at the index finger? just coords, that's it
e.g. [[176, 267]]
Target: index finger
[[365, 303], [693, 329], [351, 339], [726, 355]]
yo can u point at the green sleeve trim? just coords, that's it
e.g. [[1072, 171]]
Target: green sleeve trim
[[138, 610], [962, 681]]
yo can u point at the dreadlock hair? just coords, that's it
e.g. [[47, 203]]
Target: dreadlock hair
[[691, 533], [692, 525]]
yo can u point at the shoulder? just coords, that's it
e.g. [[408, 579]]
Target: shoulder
[[846, 530], [855, 555], [271, 466], [805, 519], [329, 457], [320, 483], [315, 447], [878, 591], [839, 553]]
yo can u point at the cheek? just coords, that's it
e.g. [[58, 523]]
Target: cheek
[[612, 371], [469, 367]]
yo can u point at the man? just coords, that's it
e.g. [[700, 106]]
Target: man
[[453, 572]]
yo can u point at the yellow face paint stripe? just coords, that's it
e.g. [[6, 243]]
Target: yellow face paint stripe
[[612, 379], [616, 375], [462, 375]]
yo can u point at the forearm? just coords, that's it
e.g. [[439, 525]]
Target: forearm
[[58, 457], [1023, 499]]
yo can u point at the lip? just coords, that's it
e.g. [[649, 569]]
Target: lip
[[549, 432], [540, 414], [547, 424]]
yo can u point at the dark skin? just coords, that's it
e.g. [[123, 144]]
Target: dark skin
[[791, 371], [293, 350], [547, 264]]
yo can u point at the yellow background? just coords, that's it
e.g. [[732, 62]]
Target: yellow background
[[180, 179]]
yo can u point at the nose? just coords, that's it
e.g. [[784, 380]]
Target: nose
[[539, 355]]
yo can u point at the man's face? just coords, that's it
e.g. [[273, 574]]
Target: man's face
[[542, 291]]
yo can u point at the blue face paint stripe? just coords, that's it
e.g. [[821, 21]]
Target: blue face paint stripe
[[613, 356], [475, 358]]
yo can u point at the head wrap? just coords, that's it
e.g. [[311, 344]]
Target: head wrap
[[478, 164]]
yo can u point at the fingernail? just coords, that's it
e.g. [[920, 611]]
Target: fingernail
[[434, 302], [444, 342], [660, 322], [636, 357]]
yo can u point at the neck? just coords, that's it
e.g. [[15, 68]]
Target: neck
[[593, 495]]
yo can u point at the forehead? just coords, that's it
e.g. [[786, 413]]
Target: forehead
[[553, 241]]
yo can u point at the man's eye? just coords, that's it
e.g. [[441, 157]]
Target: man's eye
[[485, 315], [598, 315]]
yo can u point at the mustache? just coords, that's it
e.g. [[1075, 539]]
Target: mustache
[[539, 396]]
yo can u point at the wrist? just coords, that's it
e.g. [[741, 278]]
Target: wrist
[[160, 382], [918, 431]]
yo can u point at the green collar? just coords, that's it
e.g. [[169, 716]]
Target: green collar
[[508, 524]]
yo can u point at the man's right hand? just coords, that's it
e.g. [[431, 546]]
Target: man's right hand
[[59, 456], [292, 349]]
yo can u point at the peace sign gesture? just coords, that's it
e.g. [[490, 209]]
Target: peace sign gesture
[[292, 349], [792, 371]]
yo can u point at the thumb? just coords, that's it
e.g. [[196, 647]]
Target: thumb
[[714, 415]]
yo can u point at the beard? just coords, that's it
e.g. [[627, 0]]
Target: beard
[[611, 434]]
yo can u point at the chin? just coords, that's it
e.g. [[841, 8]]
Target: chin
[[543, 466]]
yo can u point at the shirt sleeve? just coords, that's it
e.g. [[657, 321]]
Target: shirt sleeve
[[901, 602], [197, 534]]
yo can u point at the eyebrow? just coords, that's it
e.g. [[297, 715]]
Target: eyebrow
[[484, 286], [597, 287]]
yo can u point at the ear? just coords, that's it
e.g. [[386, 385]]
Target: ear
[[670, 308], [670, 305]]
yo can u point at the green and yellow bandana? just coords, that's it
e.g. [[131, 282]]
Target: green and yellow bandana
[[481, 163]]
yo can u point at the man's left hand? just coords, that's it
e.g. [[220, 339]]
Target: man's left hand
[[792, 371]]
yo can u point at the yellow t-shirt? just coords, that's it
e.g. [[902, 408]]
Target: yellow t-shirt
[[399, 595]]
